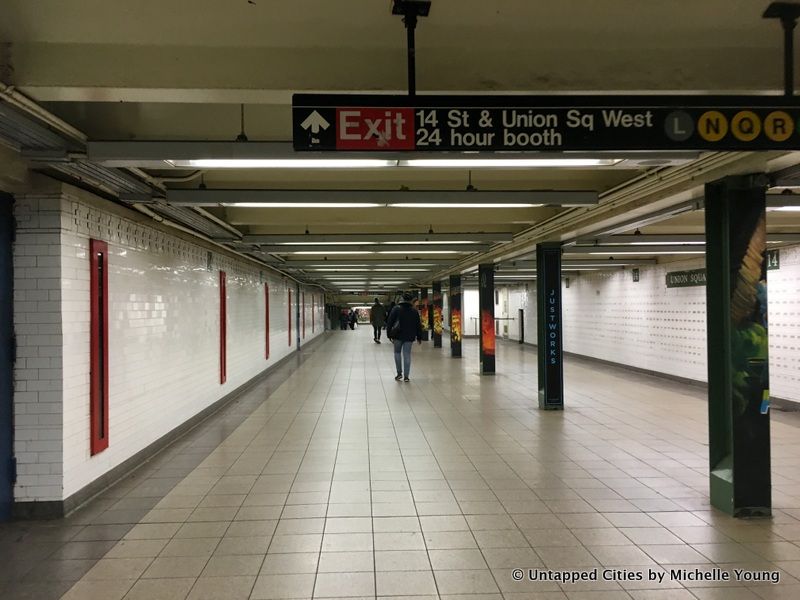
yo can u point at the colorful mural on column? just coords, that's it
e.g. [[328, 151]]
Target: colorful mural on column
[[486, 307], [455, 315]]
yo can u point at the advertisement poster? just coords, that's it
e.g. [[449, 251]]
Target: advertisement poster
[[437, 314], [455, 316], [423, 308], [486, 307]]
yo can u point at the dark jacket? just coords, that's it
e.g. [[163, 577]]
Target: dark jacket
[[377, 315], [410, 324]]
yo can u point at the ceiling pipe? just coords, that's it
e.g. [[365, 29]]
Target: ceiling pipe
[[20, 100]]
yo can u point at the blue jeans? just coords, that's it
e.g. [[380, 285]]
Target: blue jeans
[[405, 347]]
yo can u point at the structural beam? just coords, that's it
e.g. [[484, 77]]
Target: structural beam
[[589, 262], [643, 239], [611, 250], [367, 262], [253, 198], [377, 238], [375, 248]]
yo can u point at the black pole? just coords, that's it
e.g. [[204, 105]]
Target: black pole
[[788, 55], [410, 21], [788, 13]]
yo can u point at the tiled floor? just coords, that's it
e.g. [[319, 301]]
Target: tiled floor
[[341, 482]]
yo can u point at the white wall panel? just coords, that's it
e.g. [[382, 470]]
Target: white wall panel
[[784, 325], [164, 337], [470, 309]]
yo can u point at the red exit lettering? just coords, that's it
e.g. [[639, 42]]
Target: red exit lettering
[[374, 129]]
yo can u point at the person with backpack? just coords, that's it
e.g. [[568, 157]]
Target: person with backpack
[[377, 317], [403, 327]]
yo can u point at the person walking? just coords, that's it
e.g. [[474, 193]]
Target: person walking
[[353, 319], [403, 327], [377, 317], [343, 318]]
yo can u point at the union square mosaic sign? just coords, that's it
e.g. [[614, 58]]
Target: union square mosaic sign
[[695, 277]]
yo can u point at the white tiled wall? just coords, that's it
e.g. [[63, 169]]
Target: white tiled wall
[[522, 297], [643, 324], [37, 325], [470, 310], [609, 316], [163, 340], [784, 326]]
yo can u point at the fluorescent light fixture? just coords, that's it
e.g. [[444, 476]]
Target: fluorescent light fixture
[[378, 163], [365, 266], [398, 270], [584, 267], [505, 163], [313, 267], [327, 252], [655, 243], [614, 252], [301, 205], [365, 269], [419, 252], [284, 163], [429, 242], [785, 208], [464, 205], [320, 243]]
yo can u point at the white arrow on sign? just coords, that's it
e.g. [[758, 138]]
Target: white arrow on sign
[[316, 122]]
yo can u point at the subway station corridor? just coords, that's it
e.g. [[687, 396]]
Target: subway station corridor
[[330, 480]]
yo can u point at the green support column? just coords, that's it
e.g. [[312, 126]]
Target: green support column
[[549, 349], [455, 315], [738, 366], [486, 317]]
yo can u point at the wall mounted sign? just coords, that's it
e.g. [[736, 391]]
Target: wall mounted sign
[[352, 122], [686, 278], [773, 260]]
